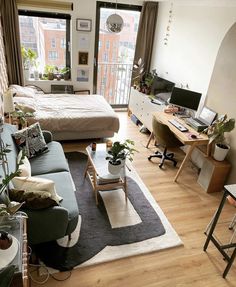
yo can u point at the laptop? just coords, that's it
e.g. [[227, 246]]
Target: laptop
[[204, 120]]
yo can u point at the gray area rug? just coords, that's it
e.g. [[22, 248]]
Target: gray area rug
[[96, 232]]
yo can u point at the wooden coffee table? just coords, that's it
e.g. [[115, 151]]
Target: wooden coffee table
[[98, 174]]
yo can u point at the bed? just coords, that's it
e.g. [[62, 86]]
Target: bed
[[68, 116]]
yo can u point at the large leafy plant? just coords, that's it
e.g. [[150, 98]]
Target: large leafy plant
[[216, 131], [120, 151], [8, 207]]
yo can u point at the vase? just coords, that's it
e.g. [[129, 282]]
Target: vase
[[221, 151], [114, 168]]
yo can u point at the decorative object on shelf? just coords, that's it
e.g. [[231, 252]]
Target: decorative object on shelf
[[114, 22], [118, 153], [170, 20], [84, 25], [216, 132]]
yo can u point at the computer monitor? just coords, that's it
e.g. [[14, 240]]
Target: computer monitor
[[185, 98]]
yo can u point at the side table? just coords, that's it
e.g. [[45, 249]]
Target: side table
[[97, 167], [231, 191], [16, 226]]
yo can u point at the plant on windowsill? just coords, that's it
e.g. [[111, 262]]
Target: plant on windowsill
[[65, 72], [118, 154], [29, 60], [216, 133], [49, 72]]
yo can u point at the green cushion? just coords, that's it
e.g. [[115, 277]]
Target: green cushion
[[52, 161]]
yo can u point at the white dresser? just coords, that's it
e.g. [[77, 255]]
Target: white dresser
[[141, 106]]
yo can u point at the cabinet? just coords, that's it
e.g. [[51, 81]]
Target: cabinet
[[141, 106], [213, 174]]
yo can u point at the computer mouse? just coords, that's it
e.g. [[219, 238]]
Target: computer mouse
[[193, 136]]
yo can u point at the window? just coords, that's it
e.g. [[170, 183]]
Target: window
[[48, 34], [52, 55], [63, 43], [53, 43]]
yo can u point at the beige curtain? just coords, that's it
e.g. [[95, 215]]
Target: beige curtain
[[11, 37], [146, 31]]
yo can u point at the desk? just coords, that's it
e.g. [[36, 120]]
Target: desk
[[182, 136]]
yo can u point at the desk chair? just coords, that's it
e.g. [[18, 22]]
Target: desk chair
[[166, 139]]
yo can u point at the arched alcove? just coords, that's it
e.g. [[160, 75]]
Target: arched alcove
[[221, 95]]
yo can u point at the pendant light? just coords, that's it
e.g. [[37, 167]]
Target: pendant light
[[114, 22]]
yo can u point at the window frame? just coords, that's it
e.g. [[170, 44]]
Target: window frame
[[54, 15]]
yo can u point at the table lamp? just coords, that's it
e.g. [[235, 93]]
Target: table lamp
[[8, 104]]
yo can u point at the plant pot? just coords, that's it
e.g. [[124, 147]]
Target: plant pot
[[26, 74], [220, 152], [50, 76], [36, 75], [114, 168]]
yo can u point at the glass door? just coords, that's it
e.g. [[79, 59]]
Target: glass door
[[114, 53]]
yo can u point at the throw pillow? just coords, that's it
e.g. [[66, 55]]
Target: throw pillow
[[31, 140], [36, 184], [24, 167], [33, 199], [20, 91]]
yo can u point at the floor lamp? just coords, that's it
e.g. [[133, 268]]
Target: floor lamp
[[8, 104]]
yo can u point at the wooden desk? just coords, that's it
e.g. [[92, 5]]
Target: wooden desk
[[184, 137]]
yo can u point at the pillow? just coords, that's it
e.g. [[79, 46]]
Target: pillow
[[31, 140], [27, 105], [33, 199], [20, 91], [36, 184], [25, 167]]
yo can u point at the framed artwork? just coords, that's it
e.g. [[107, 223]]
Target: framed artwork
[[84, 25], [82, 75], [83, 58]]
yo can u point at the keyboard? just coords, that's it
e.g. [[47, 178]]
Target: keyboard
[[178, 125]]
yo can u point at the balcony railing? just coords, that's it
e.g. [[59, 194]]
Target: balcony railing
[[113, 82]]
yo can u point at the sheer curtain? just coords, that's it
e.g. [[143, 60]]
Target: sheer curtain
[[11, 37], [146, 31]]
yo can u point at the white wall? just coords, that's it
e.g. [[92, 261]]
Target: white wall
[[196, 32], [85, 9]]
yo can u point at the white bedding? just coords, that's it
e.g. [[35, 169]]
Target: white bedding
[[75, 113]]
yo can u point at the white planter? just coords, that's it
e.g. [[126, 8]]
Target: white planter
[[36, 75], [26, 74], [114, 169], [220, 153]]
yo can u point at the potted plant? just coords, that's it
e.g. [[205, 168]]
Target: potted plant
[[21, 117], [28, 57], [49, 71], [65, 72], [118, 153], [216, 132]]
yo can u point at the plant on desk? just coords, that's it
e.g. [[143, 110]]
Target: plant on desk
[[216, 133], [118, 153]]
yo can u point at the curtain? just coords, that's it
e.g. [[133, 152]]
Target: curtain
[[145, 36], [11, 37], [58, 5]]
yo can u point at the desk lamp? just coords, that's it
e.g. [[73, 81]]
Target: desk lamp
[[8, 104]]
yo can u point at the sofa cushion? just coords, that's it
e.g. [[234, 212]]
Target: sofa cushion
[[36, 184], [24, 165], [65, 188], [33, 199], [52, 161], [31, 140]]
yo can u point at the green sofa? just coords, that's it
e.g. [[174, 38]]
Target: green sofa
[[54, 222]]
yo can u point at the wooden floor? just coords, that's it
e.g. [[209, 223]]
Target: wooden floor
[[188, 208]]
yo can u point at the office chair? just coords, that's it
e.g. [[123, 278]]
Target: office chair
[[165, 138]]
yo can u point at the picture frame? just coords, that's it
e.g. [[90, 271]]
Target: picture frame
[[83, 58], [84, 25]]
